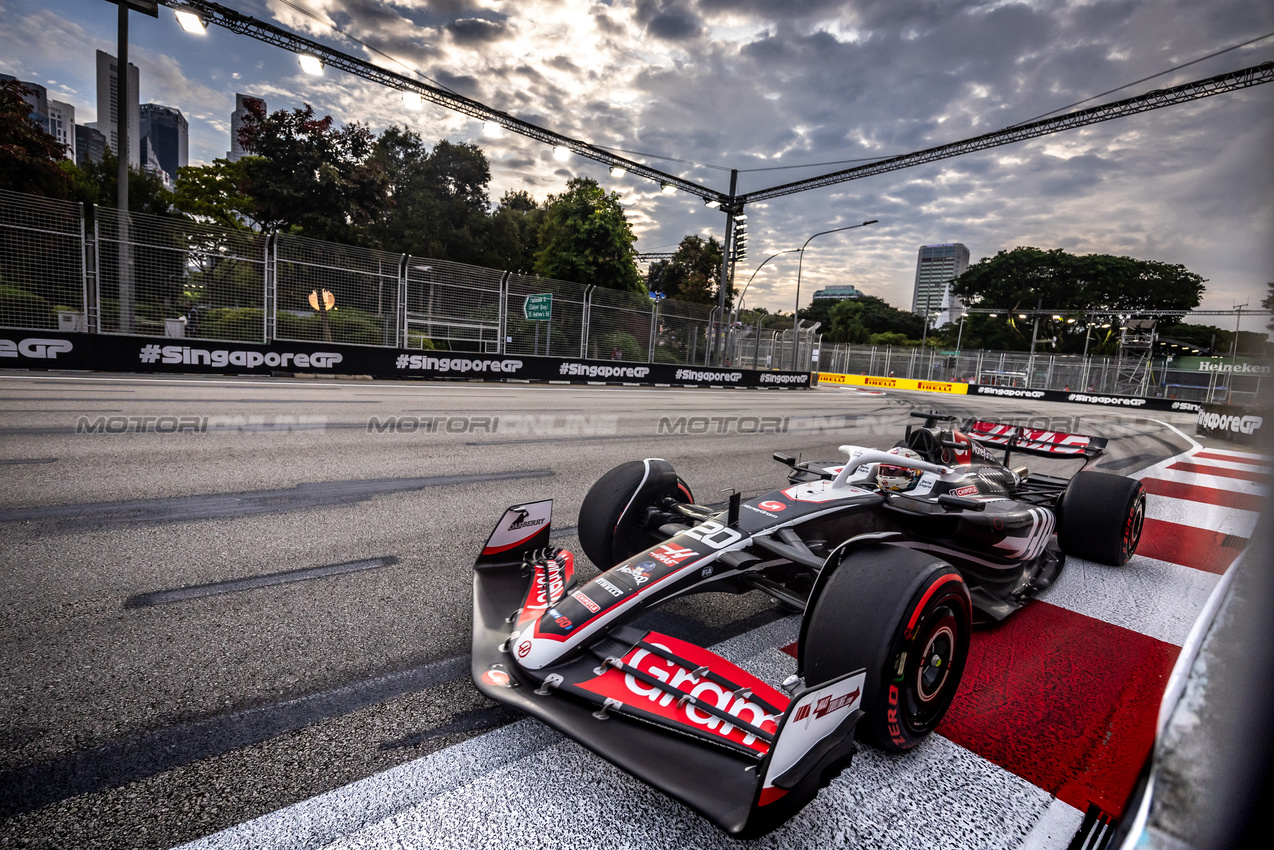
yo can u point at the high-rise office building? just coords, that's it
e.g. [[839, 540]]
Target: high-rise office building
[[90, 145], [108, 109], [936, 268], [55, 117], [62, 125], [236, 151], [169, 136]]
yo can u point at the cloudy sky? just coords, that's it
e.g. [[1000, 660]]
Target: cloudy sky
[[778, 89]]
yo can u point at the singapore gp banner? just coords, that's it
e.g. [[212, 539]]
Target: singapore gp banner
[[109, 353], [1232, 422]]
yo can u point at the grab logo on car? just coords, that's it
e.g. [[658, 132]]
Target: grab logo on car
[[772, 506]]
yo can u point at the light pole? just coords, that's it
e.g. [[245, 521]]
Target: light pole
[[739, 304], [799, 265]]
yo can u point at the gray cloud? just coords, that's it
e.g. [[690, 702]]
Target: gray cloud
[[753, 84]]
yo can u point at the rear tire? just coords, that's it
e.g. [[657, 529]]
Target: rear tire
[[607, 540], [1100, 517], [906, 617]]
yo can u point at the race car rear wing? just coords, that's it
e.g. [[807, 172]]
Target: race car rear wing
[[1032, 441]]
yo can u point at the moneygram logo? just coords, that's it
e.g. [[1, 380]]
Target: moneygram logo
[[35, 348], [173, 355]]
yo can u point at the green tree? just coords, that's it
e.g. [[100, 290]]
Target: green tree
[[28, 155], [586, 238], [1023, 278], [439, 197], [98, 183], [515, 232], [1268, 303], [693, 274], [308, 177], [856, 320], [216, 194]]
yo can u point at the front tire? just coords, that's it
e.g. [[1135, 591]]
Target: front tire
[[906, 617], [611, 525], [1100, 517]]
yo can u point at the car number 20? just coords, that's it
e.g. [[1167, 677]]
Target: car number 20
[[714, 534]]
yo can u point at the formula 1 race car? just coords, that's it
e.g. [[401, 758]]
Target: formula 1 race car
[[889, 555]]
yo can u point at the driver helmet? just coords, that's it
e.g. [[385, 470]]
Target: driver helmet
[[898, 478]]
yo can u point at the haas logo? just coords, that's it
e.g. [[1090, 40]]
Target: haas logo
[[35, 348]]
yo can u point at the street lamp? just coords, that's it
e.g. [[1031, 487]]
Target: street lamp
[[739, 305], [796, 312]]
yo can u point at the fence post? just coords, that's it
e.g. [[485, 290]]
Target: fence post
[[92, 268], [400, 309], [650, 342], [270, 325], [587, 320], [502, 321]]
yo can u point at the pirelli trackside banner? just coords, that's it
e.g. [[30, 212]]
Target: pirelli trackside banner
[[1095, 399], [892, 383], [110, 353]]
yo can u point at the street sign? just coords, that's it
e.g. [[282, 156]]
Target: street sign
[[538, 307]]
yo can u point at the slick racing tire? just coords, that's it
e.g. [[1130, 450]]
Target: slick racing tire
[[903, 615], [610, 524], [1100, 517]]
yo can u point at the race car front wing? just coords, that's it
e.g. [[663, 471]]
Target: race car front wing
[[675, 715]]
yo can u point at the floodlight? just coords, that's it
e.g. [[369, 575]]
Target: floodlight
[[311, 64], [412, 100], [191, 21], [618, 171]]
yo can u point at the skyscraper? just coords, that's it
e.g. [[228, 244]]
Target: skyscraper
[[936, 267], [169, 136], [55, 117], [236, 152], [62, 125], [90, 145], [108, 111]]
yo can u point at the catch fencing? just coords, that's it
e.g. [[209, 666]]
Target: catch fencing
[[74, 268]]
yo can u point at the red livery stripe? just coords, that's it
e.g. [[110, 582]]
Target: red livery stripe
[[1064, 701], [1208, 495], [1200, 548], [1200, 469]]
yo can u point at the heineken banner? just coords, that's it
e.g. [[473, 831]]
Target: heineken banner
[[108, 353]]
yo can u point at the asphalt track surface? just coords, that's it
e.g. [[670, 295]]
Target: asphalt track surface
[[239, 613]]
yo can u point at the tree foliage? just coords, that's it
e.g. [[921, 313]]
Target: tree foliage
[[857, 320], [438, 197], [1055, 280], [693, 274], [98, 183], [28, 155], [309, 177], [1268, 303], [586, 238]]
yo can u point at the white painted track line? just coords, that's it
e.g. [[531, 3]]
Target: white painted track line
[[1128, 596]]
